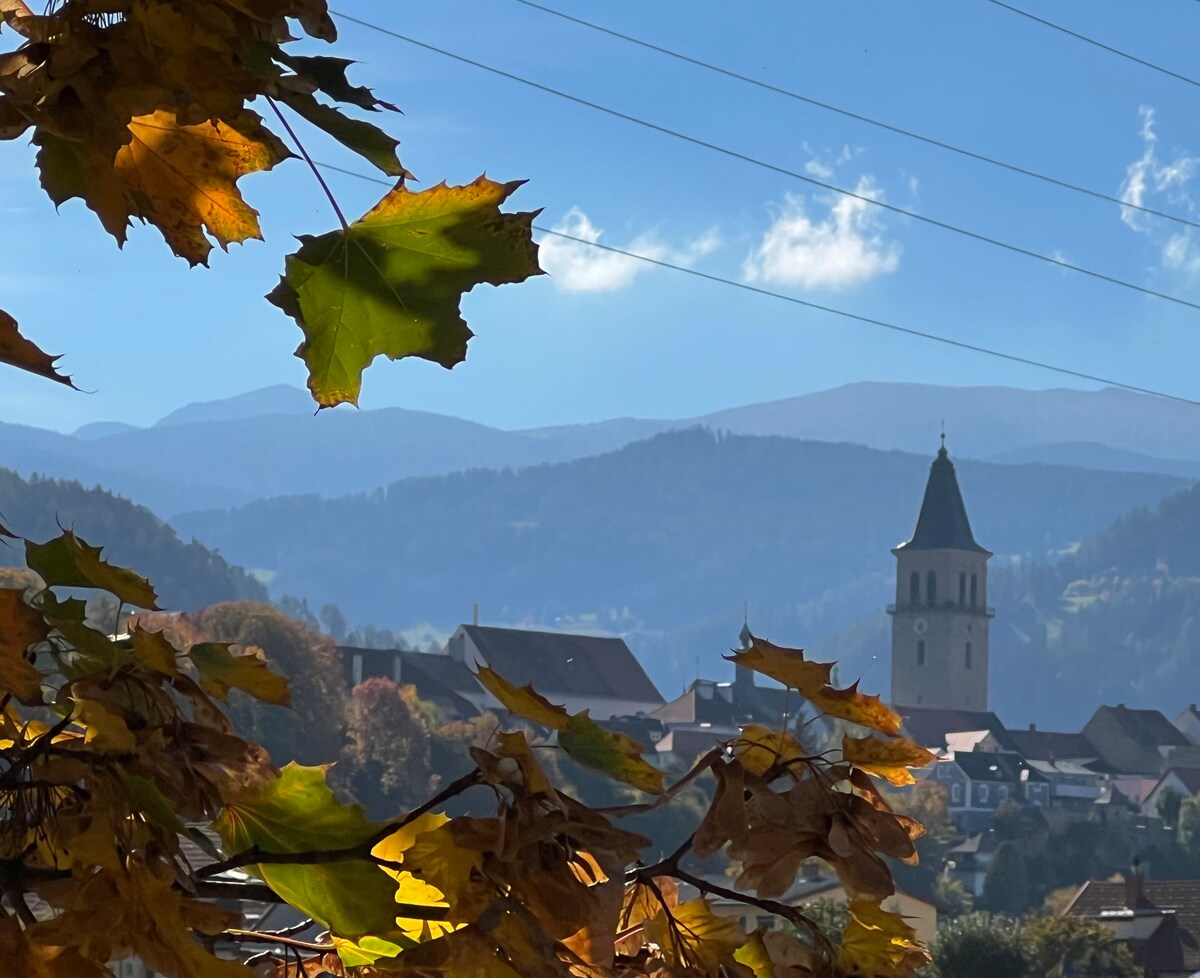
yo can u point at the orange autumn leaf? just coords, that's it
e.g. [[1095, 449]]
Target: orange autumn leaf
[[889, 759]]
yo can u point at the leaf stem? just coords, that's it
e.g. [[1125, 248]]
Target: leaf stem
[[311, 165]]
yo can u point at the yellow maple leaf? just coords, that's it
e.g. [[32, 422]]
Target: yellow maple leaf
[[879, 943], [889, 759], [694, 938], [850, 704], [759, 748], [788, 666], [184, 179]]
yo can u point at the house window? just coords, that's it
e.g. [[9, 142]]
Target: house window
[[396, 668], [983, 794], [967, 657], [962, 589], [974, 590], [914, 587], [1002, 794], [956, 794], [356, 668], [921, 652], [930, 589]]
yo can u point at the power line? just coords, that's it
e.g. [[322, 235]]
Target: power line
[[784, 171], [1097, 44], [831, 310], [858, 117]]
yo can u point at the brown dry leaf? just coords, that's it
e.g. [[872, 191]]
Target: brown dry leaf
[[726, 816], [17, 351], [184, 179], [776, 954], [20, 627], [889, 759], [28, 960]]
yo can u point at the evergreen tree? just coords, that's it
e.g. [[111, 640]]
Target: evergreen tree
[[1167, 804], [1006, 886]]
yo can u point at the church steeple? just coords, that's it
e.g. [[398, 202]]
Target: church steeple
[[940, 618], [943, 523]]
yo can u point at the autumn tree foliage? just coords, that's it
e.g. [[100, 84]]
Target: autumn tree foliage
[[117, 749]]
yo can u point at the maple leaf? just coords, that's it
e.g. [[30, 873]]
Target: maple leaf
[[850, 704], [879, 943], [220, 671], [391, 283], [184, 178], [20, 627], [694, 938], [788, 666], [889, 759], [616, 754], [17, 351], [297, 812], [68, 561], [759, 748], [368, 141]]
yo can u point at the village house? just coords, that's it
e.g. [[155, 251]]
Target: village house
[[1183, 781], [580, 672], [978, 783], [1159, 920], [1133, 742], [1188, 724]]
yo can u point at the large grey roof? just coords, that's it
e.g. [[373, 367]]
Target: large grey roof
[[555, 662], [942, 523]]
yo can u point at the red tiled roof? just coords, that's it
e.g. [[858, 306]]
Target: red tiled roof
[[1171, 947]]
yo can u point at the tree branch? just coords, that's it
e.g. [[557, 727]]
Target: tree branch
[[255, 856]]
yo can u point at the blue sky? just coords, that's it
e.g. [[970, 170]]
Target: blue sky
[[602, 338]]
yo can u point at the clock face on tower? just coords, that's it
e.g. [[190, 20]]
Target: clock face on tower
[[920, 625]]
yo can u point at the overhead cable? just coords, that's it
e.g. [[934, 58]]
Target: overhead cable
[[1097, 44], [784, 171], [859, 117]]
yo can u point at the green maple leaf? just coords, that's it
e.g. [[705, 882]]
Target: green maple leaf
[[391, 283]]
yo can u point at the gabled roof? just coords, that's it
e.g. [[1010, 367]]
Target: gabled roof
[[942, 523], [1048, 745], [559, 663], [1147, 728], [1170, 946], [441, 680], [1189, 777], [1004, 767], [928, 725]]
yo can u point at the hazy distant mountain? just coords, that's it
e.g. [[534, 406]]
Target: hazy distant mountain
[[279, 399], [1093, 455], [268, 442], [186, 575], [662, 540], [980, 421]]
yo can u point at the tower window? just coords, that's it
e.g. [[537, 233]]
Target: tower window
[[914, 588], [930, 589], [968, 655], [962, 589], [974, 590], [921, 652]]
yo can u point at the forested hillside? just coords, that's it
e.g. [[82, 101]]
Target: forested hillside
[[186, 575], [662, 540]]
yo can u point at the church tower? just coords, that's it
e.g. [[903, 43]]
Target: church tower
[[940, 618]]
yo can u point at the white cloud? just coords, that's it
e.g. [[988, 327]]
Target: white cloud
[[846, 247], [1150, 175], [576, 266]]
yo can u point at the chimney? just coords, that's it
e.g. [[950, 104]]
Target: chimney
[[474, 612], [1134, 879], [1032, 727]]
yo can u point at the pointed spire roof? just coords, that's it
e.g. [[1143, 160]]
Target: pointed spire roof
[[943, 523]]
